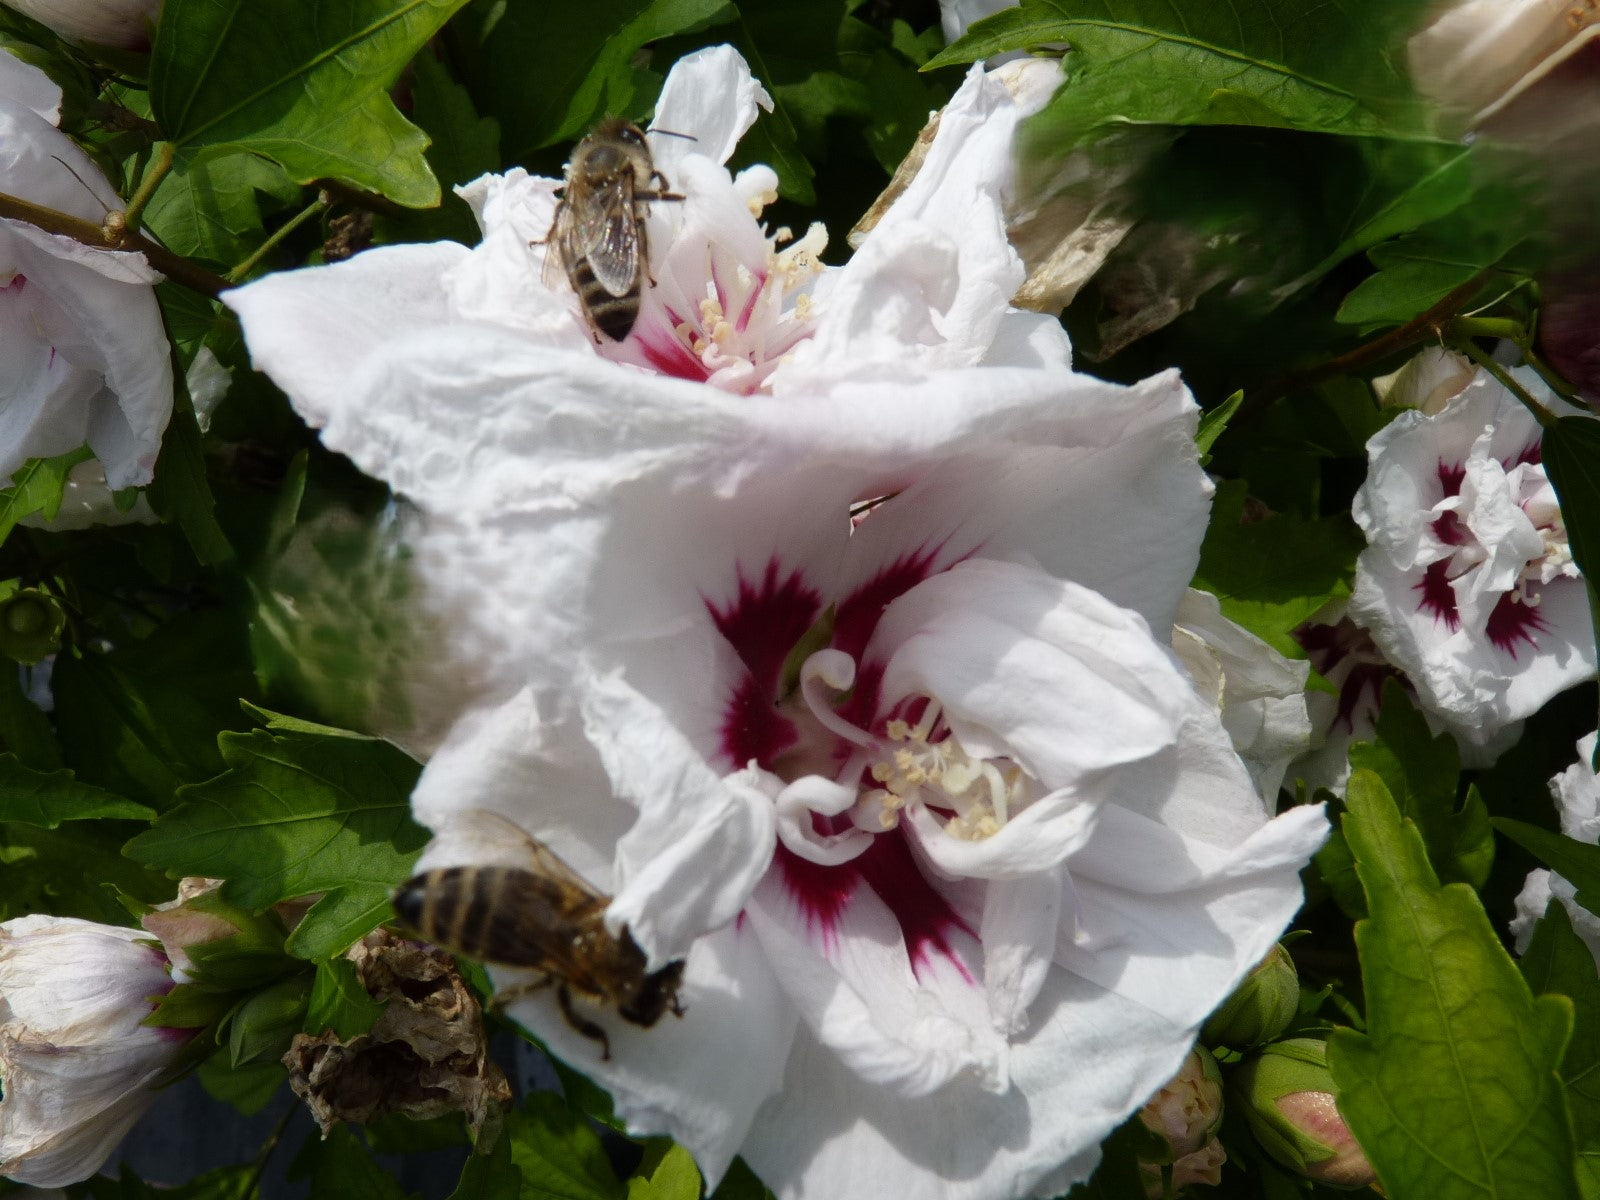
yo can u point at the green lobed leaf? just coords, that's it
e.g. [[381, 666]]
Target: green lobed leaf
[[490, 1176], [307, 87], [672, 1176], [1427, 182], [143, 719], [297, 813], [1453, 1090], [1420, 771], [249, 1088], [1557, 960], [552, 70], [1576, 862], [463, 146], [338, 1165], [47, 798], [1272, 575], [209, 206], [558, 1153], [339, 1002], [1298, 64], [262, 1027], [1396, 294], [75, 872], [37, 487]]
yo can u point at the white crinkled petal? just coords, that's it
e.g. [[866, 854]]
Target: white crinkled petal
[[1019, 930], [312, 330], [1038, 1137], [1576, 792], [909, 1026], [503, 280], [710, 98], [1122, 460], [78, 1064], [933, 280], [1010, 652], [26, 85], [1260, 694], [508, 762], [700, 1078], [1186, 918], [700, 844]]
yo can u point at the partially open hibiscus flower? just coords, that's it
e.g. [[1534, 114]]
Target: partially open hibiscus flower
[[1468, 583], [827, 652]]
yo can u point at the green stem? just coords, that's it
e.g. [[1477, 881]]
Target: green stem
[[1423, 325], [237, 275], [1495, 327], [173, 266], [1479, 355], [160, 164], [264, 1155]]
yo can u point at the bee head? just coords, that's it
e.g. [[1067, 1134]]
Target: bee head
[[656, 993]]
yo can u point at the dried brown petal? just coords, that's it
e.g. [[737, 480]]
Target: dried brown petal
[[424, 1057]]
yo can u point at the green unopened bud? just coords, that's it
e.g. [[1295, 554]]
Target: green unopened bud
[[1261, 1008], [30, 626], [1185, 1113], [1288, 1096]]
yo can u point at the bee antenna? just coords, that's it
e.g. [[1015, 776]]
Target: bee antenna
[[673, 133]]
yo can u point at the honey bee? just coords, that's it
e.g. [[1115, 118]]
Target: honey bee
[[547, 918], [598, 235]]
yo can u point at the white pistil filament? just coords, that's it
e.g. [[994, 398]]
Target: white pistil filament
[[923, 763], [755, 319], [943, 775]]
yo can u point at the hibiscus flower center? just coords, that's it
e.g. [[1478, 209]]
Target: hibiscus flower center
[[727, 306], [1513, 620], [910, 757]]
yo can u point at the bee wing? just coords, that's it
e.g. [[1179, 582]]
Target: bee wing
[[561, 247], [608, 231]]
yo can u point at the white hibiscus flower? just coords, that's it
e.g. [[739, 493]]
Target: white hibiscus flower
[[1468, 583], [79, 1067], [87, 359], [1576, 792], [957, 858]]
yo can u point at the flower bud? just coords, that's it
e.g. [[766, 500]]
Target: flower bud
[[1260, 1008], [1185, 1113], [1427, 381], [1290, 1101], [30, 626], [116, 24], [79, 1065]]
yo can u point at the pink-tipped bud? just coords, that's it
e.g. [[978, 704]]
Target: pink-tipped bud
[[1290, 1100]]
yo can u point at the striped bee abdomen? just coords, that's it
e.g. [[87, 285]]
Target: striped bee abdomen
[[465, 909], [612, 315]]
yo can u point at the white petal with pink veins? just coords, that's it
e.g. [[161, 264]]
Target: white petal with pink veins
[[700, 844]]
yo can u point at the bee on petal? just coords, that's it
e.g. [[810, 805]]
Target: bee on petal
[[598, 237], [544, 917]]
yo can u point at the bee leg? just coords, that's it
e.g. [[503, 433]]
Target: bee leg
[[582, 1024], [511, 995]]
